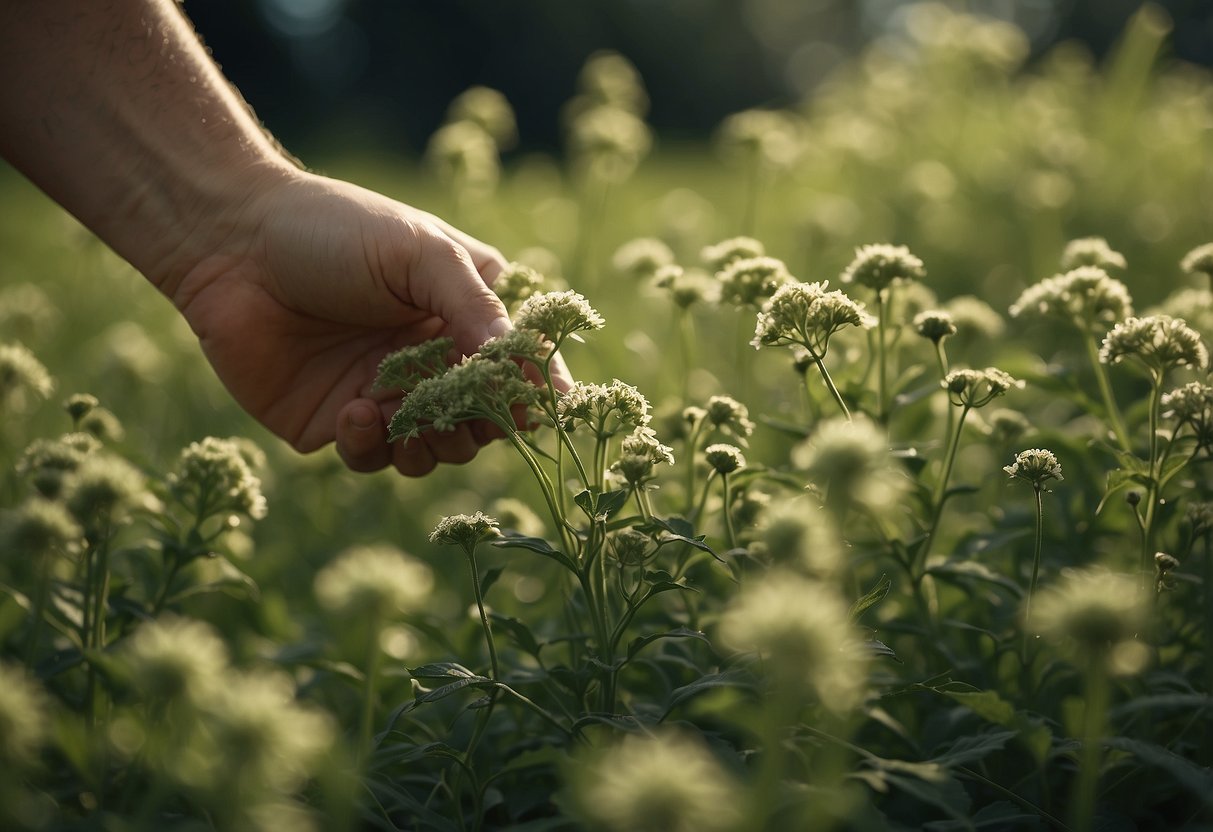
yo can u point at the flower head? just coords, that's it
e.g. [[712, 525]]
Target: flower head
[[523, 344], [730, 417], [48, 461], [488, 109], [850, 461], [603, 408], [464, 154], [973, 314], [934, 325], [771, 138], [687, 288], [374, 578], [21, 373], [663, 783], [877, 266], [641, 258], [214, 477], [477, 387], [23, 721], [720, 256], [1199, 260], [608, 142], [1036, 466], [798, 534], [80, 405], [1158, 342], [516, 283], [808, 315], [803, 627], [977, 388], [723, 458], [1085, 295], [466, 530], [1096, 613], [172, 658], [608, 78], [405, 368], [36, 527], [102, 485], [1192, 405], [1092, 251], [557, 315], [748, 282], [639, 452]]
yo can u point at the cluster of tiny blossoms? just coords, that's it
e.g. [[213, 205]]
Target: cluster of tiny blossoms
[[1086, 295], [1158, 342], [464, 530], [1035, 465], [603, 408], [878, 266], [214, 476], [977, 388], [808, 315]]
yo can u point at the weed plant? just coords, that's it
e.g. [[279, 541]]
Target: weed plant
[[891, 514]]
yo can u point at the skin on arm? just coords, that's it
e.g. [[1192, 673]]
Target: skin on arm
[[295, 284]]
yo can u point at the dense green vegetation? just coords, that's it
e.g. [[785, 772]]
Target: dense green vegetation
[[936, 555]]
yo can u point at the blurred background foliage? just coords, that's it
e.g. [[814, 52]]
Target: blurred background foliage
[[325, 74]]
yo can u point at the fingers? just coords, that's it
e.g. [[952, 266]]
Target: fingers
[[448, 283], [362, 437], [363, 446]]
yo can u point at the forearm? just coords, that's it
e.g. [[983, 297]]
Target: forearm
[[118, 113]]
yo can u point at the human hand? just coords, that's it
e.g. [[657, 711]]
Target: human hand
[[313, 283]]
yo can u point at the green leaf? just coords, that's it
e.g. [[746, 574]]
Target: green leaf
[[675, 529], [970, 749], [454, 687], [879, 648], [640, 642], [441, 670], [217, 574], [1001, 814], [489, 578], [873, 596], [1196, 779], [534, 544], [959, 571], [726, 679], [518, 632]]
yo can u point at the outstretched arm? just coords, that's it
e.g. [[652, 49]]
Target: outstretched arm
[[295, 284]]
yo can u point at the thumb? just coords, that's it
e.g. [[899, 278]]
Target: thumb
[[446, 283]]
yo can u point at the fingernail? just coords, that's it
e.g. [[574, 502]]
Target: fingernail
[[363, 418], [499, 327]]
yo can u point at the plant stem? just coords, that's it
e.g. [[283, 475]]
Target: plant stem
[[1105, 391], [1152, 489], [1027, 618], [825, 376], [728, 515], [941, 493], [484, 618], [882, 394], [39, 611], [686, 333], [374, 657], [692, 447], [1091, 758]]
